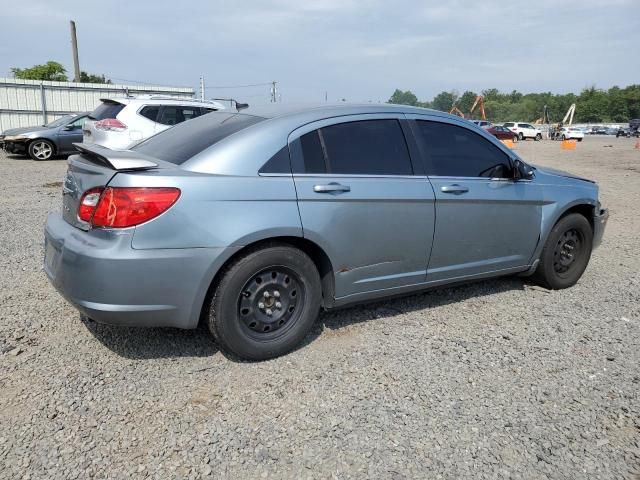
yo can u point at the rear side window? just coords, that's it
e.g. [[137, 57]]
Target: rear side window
[[508, 124], [184, 141], [369, 147], [106, 110], [173, 115], [150, 112], [455, 151]]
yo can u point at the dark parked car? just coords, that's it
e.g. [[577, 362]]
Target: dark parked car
[[598, 131], [42, 143], [251, 222], [502, 133], [632, 131]]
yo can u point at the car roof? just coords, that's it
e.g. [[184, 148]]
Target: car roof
[[264, 139], [164, 100], [324, 110]]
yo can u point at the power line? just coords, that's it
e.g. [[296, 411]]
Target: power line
[[240, 86]]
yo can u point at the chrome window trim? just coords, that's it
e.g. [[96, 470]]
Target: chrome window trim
[[325, 122], [337, 175]]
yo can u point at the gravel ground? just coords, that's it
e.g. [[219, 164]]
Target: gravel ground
[[491, 380]]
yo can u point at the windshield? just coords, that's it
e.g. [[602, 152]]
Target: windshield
[[184, 141], [61, 121]]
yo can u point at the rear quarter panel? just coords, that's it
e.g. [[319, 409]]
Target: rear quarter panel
[[217, 210]]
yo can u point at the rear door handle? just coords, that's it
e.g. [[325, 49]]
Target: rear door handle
[[332, 187], [455, 189]]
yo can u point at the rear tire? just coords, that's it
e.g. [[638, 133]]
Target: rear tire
[[41, 149], [563, 137], [566, 253], [520, 136], [579, 139], [265, 303]]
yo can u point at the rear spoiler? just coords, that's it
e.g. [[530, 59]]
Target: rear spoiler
[[115, 159]]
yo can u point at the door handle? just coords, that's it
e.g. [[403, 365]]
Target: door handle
[[455, 189], [332, 187]]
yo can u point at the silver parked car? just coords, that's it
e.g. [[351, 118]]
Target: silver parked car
[[255, 221]]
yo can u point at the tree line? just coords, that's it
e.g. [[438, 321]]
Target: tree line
[[55, 72], [593, 105]]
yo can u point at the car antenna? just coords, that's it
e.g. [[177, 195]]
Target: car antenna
[[239, 106]]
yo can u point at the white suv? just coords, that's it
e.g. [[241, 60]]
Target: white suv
[[524, 130], [117, 123]]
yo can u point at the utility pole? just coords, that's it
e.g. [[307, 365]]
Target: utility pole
[[202, 88], [273, 92], [74, 47], [326, 95]]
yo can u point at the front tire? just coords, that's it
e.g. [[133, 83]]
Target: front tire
[[41, 150], [265, 303], [566, 253], [579, 139], [538, 137]]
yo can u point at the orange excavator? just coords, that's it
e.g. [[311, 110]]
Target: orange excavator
[[479, 102], [455, 110]]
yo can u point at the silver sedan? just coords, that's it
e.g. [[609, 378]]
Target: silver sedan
[[253, 221]]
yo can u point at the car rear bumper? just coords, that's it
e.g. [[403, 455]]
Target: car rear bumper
[[599, 224], [110, 282]]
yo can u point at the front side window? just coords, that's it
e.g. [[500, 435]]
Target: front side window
[[77, 123], [367, 147], [455, 151]]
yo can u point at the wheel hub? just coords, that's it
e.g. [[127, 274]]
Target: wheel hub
[[566, 251], [269, 300]]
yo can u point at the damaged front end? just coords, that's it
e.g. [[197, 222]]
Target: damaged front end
[[13, 143]]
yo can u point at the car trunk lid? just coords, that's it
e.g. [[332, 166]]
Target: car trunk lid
[[96, 166]]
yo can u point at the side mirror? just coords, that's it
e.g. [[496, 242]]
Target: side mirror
[[522, 171], [67, 128]]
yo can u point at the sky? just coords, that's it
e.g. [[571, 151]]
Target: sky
[[358, 50]]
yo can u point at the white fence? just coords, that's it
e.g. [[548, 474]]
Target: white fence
[[25, 103]]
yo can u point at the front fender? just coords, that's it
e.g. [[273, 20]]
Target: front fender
[[553, 212]]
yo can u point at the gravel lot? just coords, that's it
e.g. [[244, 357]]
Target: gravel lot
[[490, 380]]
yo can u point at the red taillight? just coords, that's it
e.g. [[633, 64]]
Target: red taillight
[[125, 206], [110, 124], [88, 203]]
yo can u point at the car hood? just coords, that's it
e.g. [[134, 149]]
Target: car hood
[[561, 173], [22, 130]]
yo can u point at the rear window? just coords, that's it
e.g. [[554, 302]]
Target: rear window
[[187, 139], [106, 110]]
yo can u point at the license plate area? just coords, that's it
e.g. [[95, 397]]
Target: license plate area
[[52, 257]]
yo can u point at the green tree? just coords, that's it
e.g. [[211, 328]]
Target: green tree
[[593, 106], [403, 98], [444, 101], [49, 71], [632, 99], [90, 78], [465, 102]]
